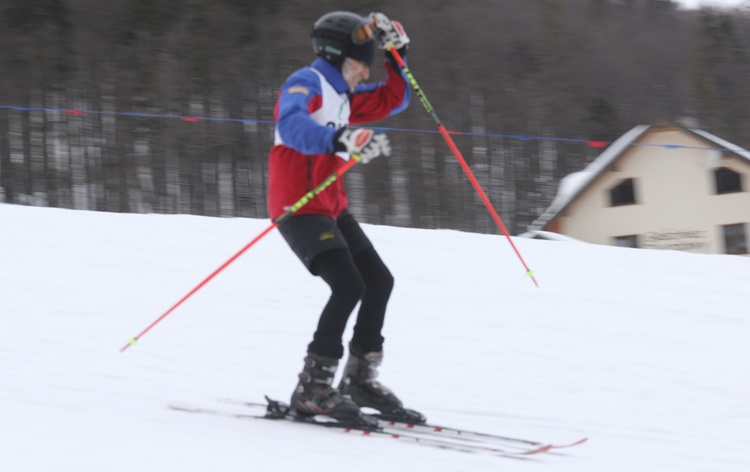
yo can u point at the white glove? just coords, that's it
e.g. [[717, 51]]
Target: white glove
[[388, 32], [364, 142]]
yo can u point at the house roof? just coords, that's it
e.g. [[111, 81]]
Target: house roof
[[572, 185]]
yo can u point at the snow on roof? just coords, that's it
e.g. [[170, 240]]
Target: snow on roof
[[723, 144], [573, 184]]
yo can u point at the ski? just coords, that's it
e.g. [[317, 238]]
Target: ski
[[438, 430], [273, 413], [466, 434]]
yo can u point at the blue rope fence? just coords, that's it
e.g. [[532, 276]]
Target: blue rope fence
[[193, 119]]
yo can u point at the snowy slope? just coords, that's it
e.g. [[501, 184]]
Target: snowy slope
[[643, 351]]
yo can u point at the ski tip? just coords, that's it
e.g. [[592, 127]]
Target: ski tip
[[576, 443], [538, 450]]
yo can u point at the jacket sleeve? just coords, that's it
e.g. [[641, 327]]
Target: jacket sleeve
[[300, 96], [372, 102]]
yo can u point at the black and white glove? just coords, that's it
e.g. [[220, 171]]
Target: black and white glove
[[390, 32], [364, 142]]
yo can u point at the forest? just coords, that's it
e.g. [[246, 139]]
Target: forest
[[166, 106]]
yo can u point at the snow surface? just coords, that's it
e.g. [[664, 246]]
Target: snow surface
[[645, 352], [724, 4]]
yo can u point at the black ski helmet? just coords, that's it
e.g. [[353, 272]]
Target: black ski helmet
[[341, 34]]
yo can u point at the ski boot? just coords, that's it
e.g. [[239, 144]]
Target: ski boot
[[359, 383], [314, 395]]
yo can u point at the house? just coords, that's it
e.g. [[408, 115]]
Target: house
[[659, 186]]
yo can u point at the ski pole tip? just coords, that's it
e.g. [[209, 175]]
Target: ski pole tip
[[530, 274], [131, 342]]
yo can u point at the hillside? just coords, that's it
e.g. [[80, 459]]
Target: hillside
[[642, 351]]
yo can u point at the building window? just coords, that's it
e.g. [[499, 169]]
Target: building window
[[623, 193], [735, 239], [626, 241], [727, 181]]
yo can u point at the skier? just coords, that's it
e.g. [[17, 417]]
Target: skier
[[312, 139]]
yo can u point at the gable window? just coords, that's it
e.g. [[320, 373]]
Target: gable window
[[735, 239], [727, 181], [623, 193], [626, 241]]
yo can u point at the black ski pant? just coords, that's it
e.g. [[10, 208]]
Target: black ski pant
[[341, 254]]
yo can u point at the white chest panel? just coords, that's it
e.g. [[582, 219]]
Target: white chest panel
[[334, 110]]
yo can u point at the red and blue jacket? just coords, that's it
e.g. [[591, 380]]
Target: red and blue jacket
[[313, 103]]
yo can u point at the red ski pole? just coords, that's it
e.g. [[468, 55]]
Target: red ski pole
[[293, 209], [428, 106]]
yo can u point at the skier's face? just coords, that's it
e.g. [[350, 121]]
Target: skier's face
[[354, 72]]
